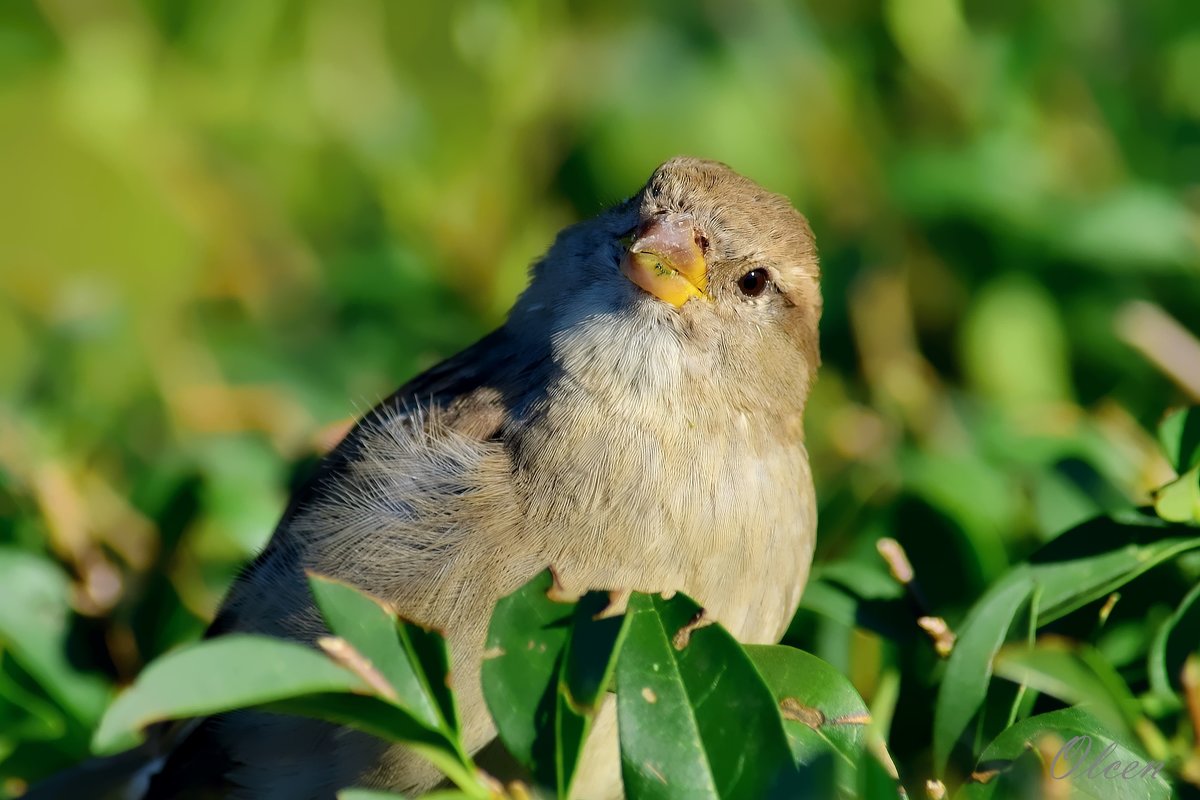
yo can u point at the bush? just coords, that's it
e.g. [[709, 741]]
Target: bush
[[702, 716]]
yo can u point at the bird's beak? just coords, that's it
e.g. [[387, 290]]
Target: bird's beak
[[666, 260]]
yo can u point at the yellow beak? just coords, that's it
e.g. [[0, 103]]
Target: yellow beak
[[666, 259]]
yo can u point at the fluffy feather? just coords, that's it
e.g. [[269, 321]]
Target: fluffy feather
[[629, 443]]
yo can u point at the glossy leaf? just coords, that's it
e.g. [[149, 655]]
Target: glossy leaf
[[221, 674], [822, 712], [547, 668], [696, 718], [372, 630]]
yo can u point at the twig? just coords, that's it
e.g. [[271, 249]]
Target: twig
[[902, 571]]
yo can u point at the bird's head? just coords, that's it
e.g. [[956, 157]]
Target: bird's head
[[702, 272]]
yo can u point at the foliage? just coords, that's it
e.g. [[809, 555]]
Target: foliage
[[701, 716], [227, 227], [696, 715]]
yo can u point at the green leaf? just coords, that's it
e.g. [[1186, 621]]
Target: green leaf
[[379, 794], [696, 718], [1179, 500], [1039, 749], [969, 666], [875, 782], [1014, 344], [379, 717], [1021, 779], [428, 653], [1135, 224], [1080, 566], [245, 671], [220, 674], [34, 621], [1094, 559], [376, 634], [414, 665], [24, 715], [846, 606], [868, 580], [547, 669], [1179, 434], [586, 673], [525, 641], [1175, 639], [1076, 674], [822, 712]]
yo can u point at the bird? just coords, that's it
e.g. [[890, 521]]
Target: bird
[[636, 422]]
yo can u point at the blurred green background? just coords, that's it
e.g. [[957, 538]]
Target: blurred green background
[[228, 227]]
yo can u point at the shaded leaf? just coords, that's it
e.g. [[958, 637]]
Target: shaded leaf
[[429, 655], [379, 717], [34, 619], [1175, 639], [875, 782], [588, 666], [1075, 674], [1080, 566], [1092, 560], [969, 667], [868, 580], [1038, 747], [1179, 435], [24, 715], [842, 604]]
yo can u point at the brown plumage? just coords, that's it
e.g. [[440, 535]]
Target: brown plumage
[[629, 440]]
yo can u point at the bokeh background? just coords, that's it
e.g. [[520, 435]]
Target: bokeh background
[[228, 227]]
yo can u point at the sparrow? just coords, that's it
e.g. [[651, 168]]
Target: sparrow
[[637, 422]]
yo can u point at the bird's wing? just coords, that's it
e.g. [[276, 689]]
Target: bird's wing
[[453, 403], [457, 388], [457, 393]]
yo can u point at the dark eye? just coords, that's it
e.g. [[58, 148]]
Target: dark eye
[[754, 282]]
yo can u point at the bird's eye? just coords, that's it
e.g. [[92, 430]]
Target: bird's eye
[[754, 282]]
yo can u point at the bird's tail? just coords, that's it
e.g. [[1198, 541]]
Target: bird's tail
[[124, 776]]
